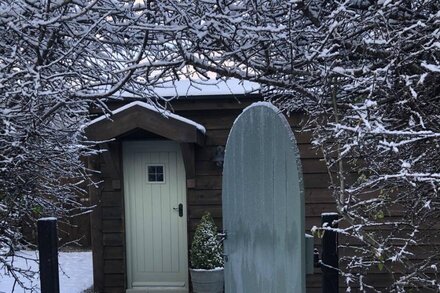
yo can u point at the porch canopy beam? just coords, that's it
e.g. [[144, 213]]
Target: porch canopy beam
[[141, 115]]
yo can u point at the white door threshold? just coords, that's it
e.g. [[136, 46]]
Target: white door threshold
[[157, 290]]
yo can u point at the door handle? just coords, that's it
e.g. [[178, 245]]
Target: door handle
[[179, 209]]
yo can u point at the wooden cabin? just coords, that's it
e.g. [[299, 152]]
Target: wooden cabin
[[176, 161]]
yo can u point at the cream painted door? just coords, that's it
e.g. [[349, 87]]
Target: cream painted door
[[156, 231]]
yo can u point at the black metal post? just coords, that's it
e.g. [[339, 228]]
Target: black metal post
[[329, 255], [48, 254]]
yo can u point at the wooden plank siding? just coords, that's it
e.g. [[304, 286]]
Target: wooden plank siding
[[110, 274], [108, 230]]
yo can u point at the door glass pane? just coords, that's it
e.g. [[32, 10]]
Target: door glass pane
[[156, 173]]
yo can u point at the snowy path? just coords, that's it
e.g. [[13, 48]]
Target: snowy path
[[77, 274]]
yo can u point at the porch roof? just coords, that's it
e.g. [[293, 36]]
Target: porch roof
[[141, 115]]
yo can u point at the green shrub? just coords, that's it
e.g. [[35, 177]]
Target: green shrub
[[206, 251]]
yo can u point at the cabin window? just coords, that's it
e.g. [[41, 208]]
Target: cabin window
[[156, 174]]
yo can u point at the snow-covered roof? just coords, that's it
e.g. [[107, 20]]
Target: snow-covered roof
[[211, 87], [188, 89], [148, 117], [165, 113]]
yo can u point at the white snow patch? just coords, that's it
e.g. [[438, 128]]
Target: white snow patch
[[194, 88], [76, 272], [213, 270], [339, 70], [406, 165], [369, 103], [329, 214], [183, 88], [47, 219], [422, 78], [431, 67], [378, 41], [145, 105], [427, 205]]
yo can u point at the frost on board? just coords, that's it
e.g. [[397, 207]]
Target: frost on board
[[263, 205]]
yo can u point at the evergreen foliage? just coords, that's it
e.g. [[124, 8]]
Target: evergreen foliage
[[206, 250]]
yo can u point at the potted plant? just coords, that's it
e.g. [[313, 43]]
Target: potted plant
[[206, 258]]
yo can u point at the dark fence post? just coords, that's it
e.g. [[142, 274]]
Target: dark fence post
[[329, 255], [48, 254]]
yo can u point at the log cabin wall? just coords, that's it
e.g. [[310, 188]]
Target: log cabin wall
[[107, 221], [217, 116]]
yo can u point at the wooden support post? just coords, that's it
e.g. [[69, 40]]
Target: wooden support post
[[329, 255], [95, 194], [48, 255]]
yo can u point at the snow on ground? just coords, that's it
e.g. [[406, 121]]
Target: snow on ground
[[76, 273]]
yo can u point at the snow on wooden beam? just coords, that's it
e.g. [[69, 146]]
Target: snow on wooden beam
[[141, 115]]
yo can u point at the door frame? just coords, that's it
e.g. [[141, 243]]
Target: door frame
[[128, 274]]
